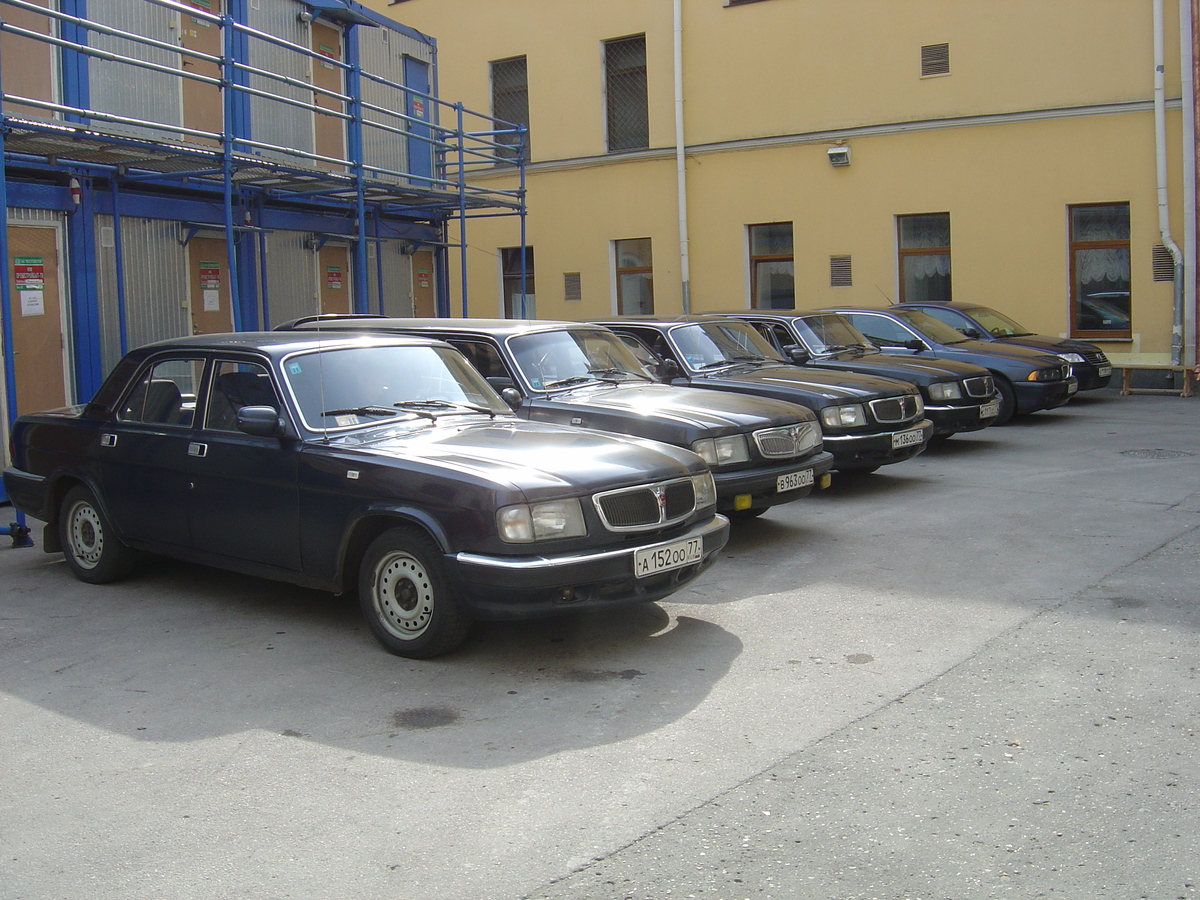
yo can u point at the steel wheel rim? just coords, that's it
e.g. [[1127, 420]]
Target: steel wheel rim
[[403, 595], [86, 535]]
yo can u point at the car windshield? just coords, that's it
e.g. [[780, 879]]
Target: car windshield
[[830, 332], [996, 323], [346, 387], [710, 345], [929, 326], [568, 357]]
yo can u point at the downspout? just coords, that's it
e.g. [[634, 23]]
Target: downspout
[[1160, 157], [680, 160], [1189, 12]]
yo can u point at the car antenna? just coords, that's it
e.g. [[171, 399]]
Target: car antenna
[[885, 296]]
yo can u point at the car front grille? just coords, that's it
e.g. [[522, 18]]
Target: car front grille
[[781, 443], [646, 506], [895, 409], [1095, 357], [983, 386]]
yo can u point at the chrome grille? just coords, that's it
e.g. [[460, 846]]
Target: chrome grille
[[1095, 357], [646, 506], [895, 409], [983, 386], [785, 442]]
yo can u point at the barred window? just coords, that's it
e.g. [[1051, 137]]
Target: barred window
[[626, 94], [510, 105]]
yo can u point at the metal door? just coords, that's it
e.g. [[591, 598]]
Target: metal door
[[208, 286], [329, 131], [39, 354], [333, 270], [424, 301], [202, 106]]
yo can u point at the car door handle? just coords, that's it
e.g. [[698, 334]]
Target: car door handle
[[108, 440], [195, 449]]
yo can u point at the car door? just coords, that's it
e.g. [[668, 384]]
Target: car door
[[243, 501], [142, 454]]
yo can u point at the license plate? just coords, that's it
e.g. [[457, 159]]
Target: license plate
[[907, 438], [793, 480], [669, 556], [989, 409], [1072, 387], [1104, 370]]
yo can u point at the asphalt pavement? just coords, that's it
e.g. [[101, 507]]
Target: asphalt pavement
[[971, 675]]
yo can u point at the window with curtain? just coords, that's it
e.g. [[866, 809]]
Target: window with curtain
[[635, 277], [510, 103], [627, 103], [924, 257], [516, 263], [1100, 306], [772, 266]]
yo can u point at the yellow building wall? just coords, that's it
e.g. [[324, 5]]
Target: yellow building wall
[[802, 75]]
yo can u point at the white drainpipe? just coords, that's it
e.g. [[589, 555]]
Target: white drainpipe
[[1160, 155], [1187, 64], [680, 161]]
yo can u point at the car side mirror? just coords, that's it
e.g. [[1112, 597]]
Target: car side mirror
[[970, 332], [797, 354], [916, 344], [512, 397], [260, 421], [669, 369]]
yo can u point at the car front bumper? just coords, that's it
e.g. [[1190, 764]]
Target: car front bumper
[[1036, 395], [953, 419], [760, 488], [864, 451], [515, 587]]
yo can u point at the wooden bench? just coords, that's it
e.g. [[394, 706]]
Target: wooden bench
[[1185, 371]]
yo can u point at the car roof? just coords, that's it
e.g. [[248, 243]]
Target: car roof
[[280, 343], [951, 304], [498, 328]]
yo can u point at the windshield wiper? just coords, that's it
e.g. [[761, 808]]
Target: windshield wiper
[[574, 379], [414, 406], [363, 411]]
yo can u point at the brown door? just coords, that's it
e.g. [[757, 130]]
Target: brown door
[[37, 318], [424, 302], [333, 268], [330, 130], [208, 286], [202, 108], [28, 64]]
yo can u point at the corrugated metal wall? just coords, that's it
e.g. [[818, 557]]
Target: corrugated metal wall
[[397, 280], [272, 122], [382, 53], [156, 283], [291, 277], [125, 90]]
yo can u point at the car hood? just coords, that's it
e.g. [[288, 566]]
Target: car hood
[[665, 408], [1026, 355], [536, 458], [1047, 344], [906, 368], [826, 385]]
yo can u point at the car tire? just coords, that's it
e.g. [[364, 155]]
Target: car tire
[[1008, 400], [405, 597], [91, 548]]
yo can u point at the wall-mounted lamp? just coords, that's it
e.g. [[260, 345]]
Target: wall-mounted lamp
[[839, 156], [305, 16], [76, 191]]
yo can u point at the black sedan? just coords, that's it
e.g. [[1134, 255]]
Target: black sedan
[[1026, 380], [762, 452], [378, 464], [868, 421], [958, 396], [1089, 364]]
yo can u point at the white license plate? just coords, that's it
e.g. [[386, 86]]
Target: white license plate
[[1104, 370], [1072, 387], [669, 556], [907, 438], [989, 409], [793, 480]]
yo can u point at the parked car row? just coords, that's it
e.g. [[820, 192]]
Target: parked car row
[[449, 470]]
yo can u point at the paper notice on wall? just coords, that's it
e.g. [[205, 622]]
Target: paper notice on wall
[[32, 303], [212, 301]]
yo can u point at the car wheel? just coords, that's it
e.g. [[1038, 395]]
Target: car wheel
[[405, 598], [1008, 400], [90, 545]]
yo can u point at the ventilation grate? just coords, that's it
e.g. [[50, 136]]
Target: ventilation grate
[[1164, 265], [572, 286], [935, 59], [839, 271]]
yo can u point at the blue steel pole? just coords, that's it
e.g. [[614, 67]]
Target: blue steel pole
[[462, 206], [227, 134], [120, 265]]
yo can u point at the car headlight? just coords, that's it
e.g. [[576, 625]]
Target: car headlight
[[527, 522], [843, 416], [1055, 374], [1071, 357], [723, 450], [705, 488], [945, 390]]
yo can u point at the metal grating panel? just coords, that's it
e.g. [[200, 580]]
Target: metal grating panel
[[935, 59], [1164, 264], [572, 286], [839, 272]]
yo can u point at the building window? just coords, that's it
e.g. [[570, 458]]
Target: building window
[[635, 277], [510, 103], [1100, 271], [772, 266], [625, 91], [518, 302], [924, 243]]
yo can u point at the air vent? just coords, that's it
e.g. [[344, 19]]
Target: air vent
[[572, 286], [935, 60], [839, 271], [1164, 265]]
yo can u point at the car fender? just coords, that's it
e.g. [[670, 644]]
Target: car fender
[[371, 520]]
